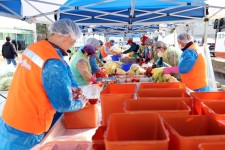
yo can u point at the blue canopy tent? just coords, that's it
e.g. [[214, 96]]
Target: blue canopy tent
[[108, 12], [127, 12], [7, 11], [104, 12]]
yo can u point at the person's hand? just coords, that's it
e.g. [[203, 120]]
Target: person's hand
[[170, 70], [101, 73], [166, 70], [93, 80], [119, 53], [77, 92], [101, 64], [83, 99]]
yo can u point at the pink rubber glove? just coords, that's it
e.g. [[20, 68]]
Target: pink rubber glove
[[93, 79], [170, 70]]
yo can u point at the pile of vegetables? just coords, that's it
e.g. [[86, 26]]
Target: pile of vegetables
[[114, 68], [148, 71], [135, 69], [158, 76], [172, 56], [5, 81]]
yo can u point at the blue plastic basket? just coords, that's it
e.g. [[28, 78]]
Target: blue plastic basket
[[126, 66], [115, 57]]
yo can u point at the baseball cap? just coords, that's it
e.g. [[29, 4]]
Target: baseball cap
[[129, 41]]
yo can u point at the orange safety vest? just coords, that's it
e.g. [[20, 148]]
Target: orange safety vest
[[27, 107], [102, 49], [197, 77]]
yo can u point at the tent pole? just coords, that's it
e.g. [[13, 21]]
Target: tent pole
[[175, 38], [84, 39], [210, 72]]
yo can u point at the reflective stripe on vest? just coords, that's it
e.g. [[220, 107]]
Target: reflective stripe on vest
[[34, 57]]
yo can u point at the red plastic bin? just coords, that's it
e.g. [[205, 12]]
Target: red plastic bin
[[136, 131], [78, 119], [187, 132], [163, 107], [162, 85], [187, 100], [113, 97], [198, 97], [98, 147], [212, 146], [214, 109], [162, 92], [98, 137]]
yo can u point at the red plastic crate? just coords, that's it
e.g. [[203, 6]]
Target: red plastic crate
[[171, 107], [113, 97], [187, 100], [212, 146], [136, 131], [99, 136], [162, 85], [78, 119], [187, 132], [162, 92], [198, 97], [214, 109]]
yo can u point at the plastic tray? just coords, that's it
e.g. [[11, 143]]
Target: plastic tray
[[61, 138]]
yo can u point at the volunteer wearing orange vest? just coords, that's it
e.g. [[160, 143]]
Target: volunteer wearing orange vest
[[106, 50], [192, 65], [42, 85]]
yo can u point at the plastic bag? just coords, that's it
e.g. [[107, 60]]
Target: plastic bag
[[91, 91]]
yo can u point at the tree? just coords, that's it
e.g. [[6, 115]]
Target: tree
[[42, 31]]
